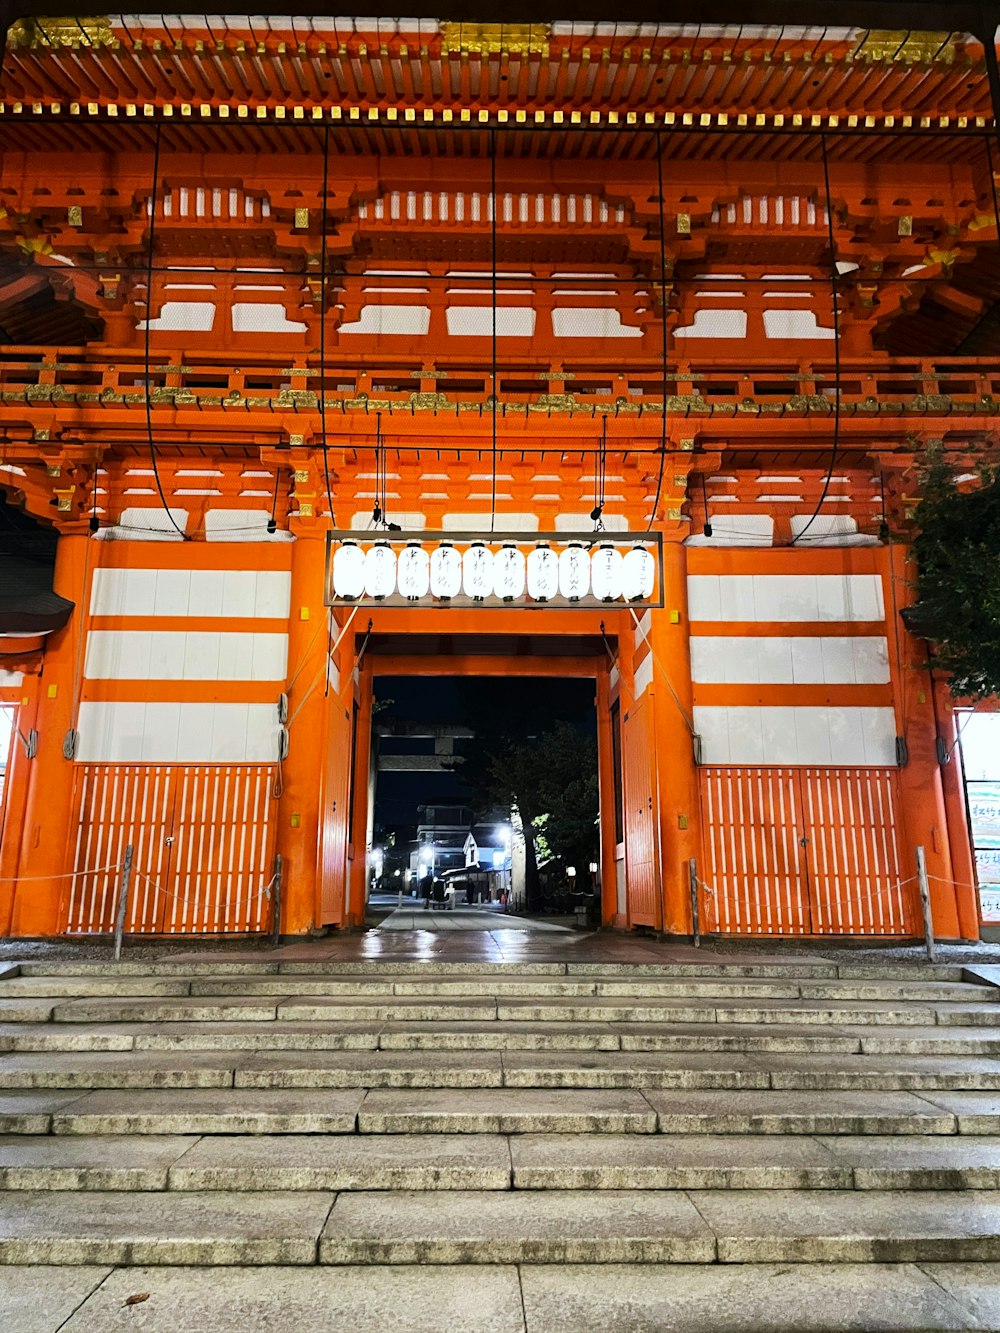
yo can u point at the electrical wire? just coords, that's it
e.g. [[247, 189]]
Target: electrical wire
[[493, 328], [148, 321], [835, 298], [663, 318], [324, 219]]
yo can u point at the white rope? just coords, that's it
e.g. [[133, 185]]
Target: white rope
[[69, 874]]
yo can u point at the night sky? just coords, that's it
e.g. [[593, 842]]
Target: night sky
[[496, 707]]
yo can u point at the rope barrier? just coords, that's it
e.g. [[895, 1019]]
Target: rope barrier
[[69, 874], [265, 892]]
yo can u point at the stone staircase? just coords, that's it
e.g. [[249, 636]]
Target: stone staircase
[[544, 1146]]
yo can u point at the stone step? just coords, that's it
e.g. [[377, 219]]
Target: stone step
[[496, 1162], [505, 1111], [799, 1112], [611, 1226], [747, 1298], [478, 1068], [57, 1227], [534, 1298], [752, 1162], [207, 1111]]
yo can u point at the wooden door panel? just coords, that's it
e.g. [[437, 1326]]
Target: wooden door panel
[[642, 863]]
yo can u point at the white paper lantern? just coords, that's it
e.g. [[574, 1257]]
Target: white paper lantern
[[446, 571], [606, 573], [380, 571], [477, 571], [348, 571], [414, 571], [574, 572], [543, 573], [638, 574], [508, 572]]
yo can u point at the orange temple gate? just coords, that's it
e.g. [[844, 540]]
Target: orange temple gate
[[492, 281]]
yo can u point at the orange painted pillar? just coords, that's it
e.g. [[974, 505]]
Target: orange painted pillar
[[606, 801], [675, 766], [924, 818], [298, 806], [46, 836], [16, 783], [357, 832]]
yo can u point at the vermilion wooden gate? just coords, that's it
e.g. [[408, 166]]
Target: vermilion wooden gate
[[642, 843], [803, 851], [203, 840]]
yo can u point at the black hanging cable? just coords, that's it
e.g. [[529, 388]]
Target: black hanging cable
[[835, 298], [663, 318], [493, 329], [95, 522], [600, 477], [322, 321], [707, 526], [149, 316], [272, 522]]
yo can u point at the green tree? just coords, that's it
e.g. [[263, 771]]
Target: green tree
[[550, 779], [957, 550]]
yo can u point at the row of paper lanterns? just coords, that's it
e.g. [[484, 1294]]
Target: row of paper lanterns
[[480, 573]]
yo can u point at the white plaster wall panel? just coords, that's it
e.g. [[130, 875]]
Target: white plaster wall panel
[[812, 736], [736, 598], [712, 725], [239, 593], [235, 656], [871, 660], [123, 592], [644, 676], [166, 655], [261, 734], [229, 733], [201, 654], [116, 655], [838, 661], [774, 661], [778, 729], [274, 593], [161, 728], [837, 737], [708, 659], [11, 677], [741, 662], [847, 735], [795, 598], [879, 735], [850, 597], [126, 733], [807, 661], [94, 727], [207, 592], [784, 596], [746, 735], [703, 597], [270, 657], [172, 594], [194, 733]]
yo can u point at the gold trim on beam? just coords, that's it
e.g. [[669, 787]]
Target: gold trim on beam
[[496, 38], [37, 34]]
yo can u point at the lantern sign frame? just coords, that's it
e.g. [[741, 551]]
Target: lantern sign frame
[[557, 542]]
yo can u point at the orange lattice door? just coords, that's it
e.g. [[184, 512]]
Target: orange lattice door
[[117, 805], [755, 852], [852, 856], [223, 850], [642, 861], [203, 848]]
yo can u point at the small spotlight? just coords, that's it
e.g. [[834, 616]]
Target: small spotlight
[[596, 512], [394, 527], [95, 523], [272, 526], [707, 530]]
